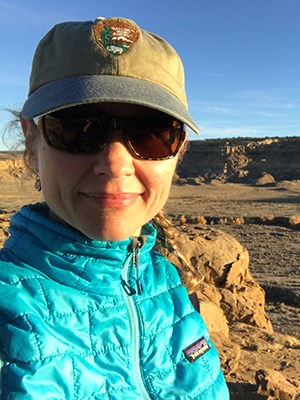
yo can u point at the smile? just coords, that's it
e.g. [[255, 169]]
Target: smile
[[113, 200]]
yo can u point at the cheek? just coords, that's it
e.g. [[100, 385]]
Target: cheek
[[43, 157], [55, 169], [158, 177]]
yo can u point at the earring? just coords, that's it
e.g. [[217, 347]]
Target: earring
[[38, 184]]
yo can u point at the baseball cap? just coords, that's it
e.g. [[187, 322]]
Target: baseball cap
[[106, 60]]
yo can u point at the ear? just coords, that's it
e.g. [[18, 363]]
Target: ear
[[184, 147], [26, 124]]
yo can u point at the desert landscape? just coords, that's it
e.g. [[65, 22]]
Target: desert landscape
[[235, 214]]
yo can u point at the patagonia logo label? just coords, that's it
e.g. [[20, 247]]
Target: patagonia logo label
[[196, 350]]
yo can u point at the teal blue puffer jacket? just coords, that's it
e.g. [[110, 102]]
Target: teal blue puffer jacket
[[82, 319]]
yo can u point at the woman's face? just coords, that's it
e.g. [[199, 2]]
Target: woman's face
[[109, 195]]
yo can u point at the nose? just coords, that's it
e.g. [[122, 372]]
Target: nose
[[114, 160]]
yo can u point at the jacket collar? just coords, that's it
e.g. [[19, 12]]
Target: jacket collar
[[66, 255]]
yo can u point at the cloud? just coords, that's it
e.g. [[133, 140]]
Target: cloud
[[249, 107], [231, 132], [26, 14], [11, 11], [213, 108], [225, 129], [267, 100], [271, 114]]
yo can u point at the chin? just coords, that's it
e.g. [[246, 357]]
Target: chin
[[111, 236], [108, 229]]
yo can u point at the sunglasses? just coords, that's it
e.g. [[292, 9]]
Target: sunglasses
[[83, 130]]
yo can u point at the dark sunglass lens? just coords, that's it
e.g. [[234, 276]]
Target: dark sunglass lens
[[76, 135], [155, 142]]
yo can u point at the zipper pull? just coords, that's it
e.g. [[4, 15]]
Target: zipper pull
[[136, 251], [139, 285], [134, 259], [126, 287], [129, 290]]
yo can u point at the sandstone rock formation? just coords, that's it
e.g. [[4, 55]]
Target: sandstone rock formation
[[13, 168], [242, 159], [265, 179]]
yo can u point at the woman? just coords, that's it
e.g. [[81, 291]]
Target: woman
[[88, 309]]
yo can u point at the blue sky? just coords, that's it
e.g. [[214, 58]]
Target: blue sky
[[241, 57]]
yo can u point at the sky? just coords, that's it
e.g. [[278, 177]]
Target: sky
[[241, 57]]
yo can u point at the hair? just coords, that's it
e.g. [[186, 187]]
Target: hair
[[165, 242], [13, 131], [166, 245]]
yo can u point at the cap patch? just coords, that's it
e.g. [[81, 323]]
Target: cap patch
[[115, 36], [196, 349]]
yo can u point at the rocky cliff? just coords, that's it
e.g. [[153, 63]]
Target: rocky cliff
[[243, 160], [239, 160]]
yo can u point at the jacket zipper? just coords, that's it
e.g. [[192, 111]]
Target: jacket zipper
[[1, 366], [133, 260]]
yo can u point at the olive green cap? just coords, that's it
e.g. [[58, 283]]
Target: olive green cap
[[106, 60]]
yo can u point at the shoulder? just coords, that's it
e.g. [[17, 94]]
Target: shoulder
[[164, 270], [18, 289]]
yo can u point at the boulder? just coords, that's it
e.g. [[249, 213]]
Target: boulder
[[220, 266], [273, 385], [265, 179]]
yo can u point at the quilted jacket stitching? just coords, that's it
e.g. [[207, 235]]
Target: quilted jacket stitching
[[43, 295], [35, 334]]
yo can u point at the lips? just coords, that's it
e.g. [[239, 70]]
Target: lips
[[116, 200]]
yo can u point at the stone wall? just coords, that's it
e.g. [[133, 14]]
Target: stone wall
[[242, 160]]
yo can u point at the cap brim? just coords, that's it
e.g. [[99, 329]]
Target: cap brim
[[104, 88]]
